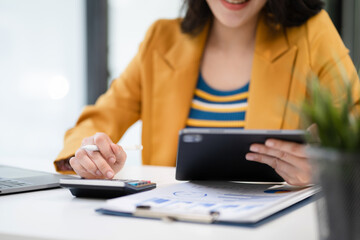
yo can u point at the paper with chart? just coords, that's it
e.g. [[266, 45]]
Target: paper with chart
[[235, 202]]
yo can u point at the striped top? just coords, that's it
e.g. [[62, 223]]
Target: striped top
[[218, 109]]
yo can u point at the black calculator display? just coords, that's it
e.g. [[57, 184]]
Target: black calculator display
[[105, 188]]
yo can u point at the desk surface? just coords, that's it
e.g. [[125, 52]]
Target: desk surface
[[56, 214]]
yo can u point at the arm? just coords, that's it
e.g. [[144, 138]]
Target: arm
[[112, 113], [330, 62]]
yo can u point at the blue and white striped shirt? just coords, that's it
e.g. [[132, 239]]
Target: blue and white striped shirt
[[219, 109]]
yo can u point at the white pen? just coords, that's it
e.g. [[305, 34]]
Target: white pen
[[125, 147]]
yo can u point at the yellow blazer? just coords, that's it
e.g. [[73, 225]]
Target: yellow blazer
[[158, 85]]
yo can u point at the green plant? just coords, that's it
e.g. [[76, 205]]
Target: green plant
[[338, 124]]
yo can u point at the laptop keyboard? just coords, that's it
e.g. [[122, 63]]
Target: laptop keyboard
[[11, 183]]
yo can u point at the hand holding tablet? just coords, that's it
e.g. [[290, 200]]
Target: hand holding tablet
[[219, 154], [287, 158]]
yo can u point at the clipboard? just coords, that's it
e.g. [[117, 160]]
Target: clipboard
[[229, 203]]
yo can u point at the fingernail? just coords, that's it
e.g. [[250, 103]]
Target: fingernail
[[249, 157], [254, 148], [269, 143], [98, 173], [112, 160], [109, 174]]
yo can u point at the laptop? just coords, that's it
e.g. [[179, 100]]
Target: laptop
[[17, 180]]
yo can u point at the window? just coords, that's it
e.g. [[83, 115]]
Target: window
[[41, 77]]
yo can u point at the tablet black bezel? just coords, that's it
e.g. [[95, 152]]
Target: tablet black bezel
[[219, 154]]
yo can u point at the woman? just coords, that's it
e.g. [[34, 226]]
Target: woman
[[228, 63]]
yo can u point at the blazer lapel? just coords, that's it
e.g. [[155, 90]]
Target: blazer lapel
[[270, 80], [175, 76], [174, 80]]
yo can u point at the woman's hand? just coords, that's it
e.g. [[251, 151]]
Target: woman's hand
[[288, 159], [104, 163]]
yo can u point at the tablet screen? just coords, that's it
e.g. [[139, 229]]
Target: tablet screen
[[219, 154]]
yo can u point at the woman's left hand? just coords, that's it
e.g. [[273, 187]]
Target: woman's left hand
[[288, 159]]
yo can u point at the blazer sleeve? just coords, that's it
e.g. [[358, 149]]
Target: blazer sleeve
[[114, 111], [329, 58]]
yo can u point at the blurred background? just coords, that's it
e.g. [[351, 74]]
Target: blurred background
[[56, 56]]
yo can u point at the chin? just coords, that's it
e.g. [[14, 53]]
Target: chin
[[231, 21], [235, 13]]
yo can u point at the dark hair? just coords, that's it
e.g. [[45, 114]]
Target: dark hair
[[288, 13]]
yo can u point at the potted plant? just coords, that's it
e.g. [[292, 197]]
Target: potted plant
[[336, 159]]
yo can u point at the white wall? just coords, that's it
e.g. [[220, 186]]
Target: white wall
[[128, 22], [41, 77]]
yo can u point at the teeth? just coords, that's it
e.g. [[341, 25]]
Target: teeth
[[236, 1]]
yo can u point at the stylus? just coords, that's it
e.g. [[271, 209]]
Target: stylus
[[126, 148]]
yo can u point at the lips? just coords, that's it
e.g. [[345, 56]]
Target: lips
[[235, 4], [236, 1]]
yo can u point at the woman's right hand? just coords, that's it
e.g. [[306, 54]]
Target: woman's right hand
[[104, 163]]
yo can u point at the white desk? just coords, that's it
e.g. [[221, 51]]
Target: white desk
[[56, 214]]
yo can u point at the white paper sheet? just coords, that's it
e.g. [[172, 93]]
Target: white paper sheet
[[235, 202]]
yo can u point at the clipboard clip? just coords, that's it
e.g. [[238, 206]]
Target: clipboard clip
[[147, 212]]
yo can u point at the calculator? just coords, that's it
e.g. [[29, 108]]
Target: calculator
[[105, 188]]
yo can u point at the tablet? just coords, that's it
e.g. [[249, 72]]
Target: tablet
[[219, 154]]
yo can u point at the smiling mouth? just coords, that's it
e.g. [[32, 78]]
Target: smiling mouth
[[237, 1]]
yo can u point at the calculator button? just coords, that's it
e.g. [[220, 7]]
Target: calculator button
[[133, 184]]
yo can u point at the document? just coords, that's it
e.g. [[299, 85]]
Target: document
[[233, 202]]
